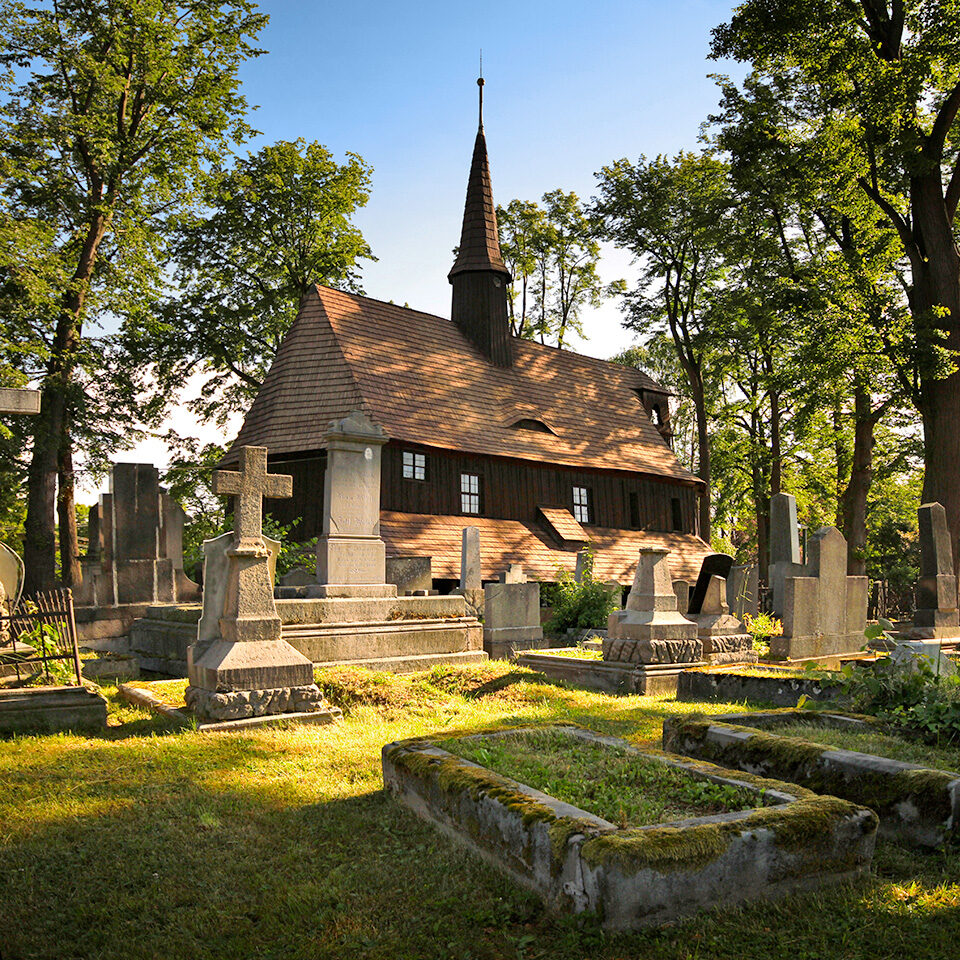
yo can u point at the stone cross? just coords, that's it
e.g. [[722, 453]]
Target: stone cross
[[250, 486]]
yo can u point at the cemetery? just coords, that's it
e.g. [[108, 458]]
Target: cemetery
[[586, 586]]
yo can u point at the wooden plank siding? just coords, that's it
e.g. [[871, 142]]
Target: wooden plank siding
[[511, 490]]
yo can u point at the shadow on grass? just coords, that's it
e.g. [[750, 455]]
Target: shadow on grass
[[171, 864]]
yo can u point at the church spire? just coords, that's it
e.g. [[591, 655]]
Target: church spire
[[479, 276]]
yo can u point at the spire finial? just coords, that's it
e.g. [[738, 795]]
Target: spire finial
[[480, 85]]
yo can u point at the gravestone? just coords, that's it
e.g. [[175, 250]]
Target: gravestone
[[714, 565], [651, 630], [241, 667], [723, 636], [15, 400], [351, 556], [583, 565], [681, 589], [470, 577], [513, 574], [936, 615], [297, 577], [511, 619], [785, 556], [135, 544], [824, 610], [410, 574], [743, 591]]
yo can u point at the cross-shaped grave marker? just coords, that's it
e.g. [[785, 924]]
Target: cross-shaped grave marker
[[250, 486]]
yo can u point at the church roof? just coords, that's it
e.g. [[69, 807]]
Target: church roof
[[503, 542], [479, 238], [421, 378]]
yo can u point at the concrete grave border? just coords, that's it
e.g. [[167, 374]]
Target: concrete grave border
[[577, 862], [728, 684], [916, 804], [29, 710]]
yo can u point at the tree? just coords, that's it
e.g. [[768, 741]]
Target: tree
[[670, 215], [552, 253], [275, 222], [112, 110], [879, 84]]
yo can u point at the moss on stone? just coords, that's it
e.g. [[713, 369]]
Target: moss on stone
[[806, 823], [802, 762]]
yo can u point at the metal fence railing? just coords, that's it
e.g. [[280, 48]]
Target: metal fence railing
[[42, 629]]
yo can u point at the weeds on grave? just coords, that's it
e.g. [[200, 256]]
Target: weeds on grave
[[761, 628], [580, 604]]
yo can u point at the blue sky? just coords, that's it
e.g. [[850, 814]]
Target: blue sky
[[569, 88]]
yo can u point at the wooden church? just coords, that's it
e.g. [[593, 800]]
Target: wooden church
[[544, 450]]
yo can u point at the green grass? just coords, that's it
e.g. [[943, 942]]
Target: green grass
[[610, 782], [152, 841], [872, 741], [581, 653]]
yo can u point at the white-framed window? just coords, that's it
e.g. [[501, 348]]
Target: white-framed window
[[581, 504], [414, 465], [469, 493]]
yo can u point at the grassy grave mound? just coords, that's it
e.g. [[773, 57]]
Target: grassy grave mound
[[875, 740], [607, 781]]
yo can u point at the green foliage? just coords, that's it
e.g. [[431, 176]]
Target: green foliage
[[552, 253], [761, 628], [273, 223], [918, 701], [581, 604]]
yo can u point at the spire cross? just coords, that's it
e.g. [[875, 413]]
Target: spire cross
[[250, 486]]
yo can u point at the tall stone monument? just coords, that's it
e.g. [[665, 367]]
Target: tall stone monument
[[824, 610], [936, 616], [135, 544], [650, 632], [244, 668], [785, 556], [351, 557]]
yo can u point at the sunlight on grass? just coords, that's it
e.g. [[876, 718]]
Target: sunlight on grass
[[279, 842]]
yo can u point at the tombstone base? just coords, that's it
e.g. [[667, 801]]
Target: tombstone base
[[659, 625], [323, 591], [226, 666], [241, 704], [659, 651], [818, 645], [729, 649], [934, 625], [717, 625], [504, 643]]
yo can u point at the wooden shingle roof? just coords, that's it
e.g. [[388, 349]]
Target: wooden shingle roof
[[420, 378], [503, 542]]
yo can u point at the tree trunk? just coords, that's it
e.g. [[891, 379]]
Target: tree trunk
[[39, 546], [853, 502], [776, 446], [936, 284], [703, 454], [70, 571]]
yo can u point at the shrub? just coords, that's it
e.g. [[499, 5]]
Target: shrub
[[581, 604], [761, 628]]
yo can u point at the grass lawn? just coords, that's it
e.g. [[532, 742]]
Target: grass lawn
[[612, 783], [155, 842], [872, 741]]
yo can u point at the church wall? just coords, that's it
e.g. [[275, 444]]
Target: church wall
[[512, 490]]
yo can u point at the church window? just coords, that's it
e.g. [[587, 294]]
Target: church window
[[677, 514], [581, 504], [635, 510], [469, 493], [414, 465]]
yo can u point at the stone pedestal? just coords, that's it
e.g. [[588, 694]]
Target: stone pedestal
[[351, 557], [511, 620], [651, 630], [936, 616], [722, 635]]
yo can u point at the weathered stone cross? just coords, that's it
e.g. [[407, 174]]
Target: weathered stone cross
[[250, 486]]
